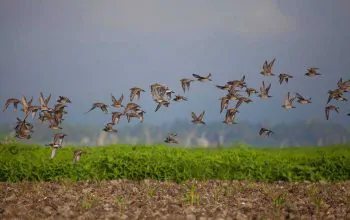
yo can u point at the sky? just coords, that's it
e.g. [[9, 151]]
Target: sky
[[87, 50]]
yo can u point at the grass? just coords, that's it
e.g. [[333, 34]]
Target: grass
[[32, 163]]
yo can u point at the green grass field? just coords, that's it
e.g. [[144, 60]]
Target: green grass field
[[331, 163]]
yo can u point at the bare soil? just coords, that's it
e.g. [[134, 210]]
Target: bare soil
[[148, 199]]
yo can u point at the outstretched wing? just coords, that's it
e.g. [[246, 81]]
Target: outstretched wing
[[201, 115], [194, 116]]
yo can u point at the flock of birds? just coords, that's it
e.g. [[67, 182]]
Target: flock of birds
[[162, 95]]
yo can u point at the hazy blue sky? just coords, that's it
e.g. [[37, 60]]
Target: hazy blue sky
[[87, 49]]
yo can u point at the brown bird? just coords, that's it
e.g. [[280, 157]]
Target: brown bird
[[243, 100], [135, 114], [179, 98], [100, 105], [57, 140], [185, 84], [116, 117], [77, 154], [109, 128], [199, 119], [26, 104], [224, 103], [202, 78], [117, 103], [238, 83], [329, 108], [155, 87], [33, 109], [161, 102], [131, 106], [13, 101], [288, 102], [251, 91], [267, 68], [23, 130], [336, 94], [224, 87], [264, 91], [343, 86], [135, 93], [302, 99], [44, 102], [312, 71], [284, 77], [54, 123], [265, 132], [170, 139], [63, 100], [230, 115]]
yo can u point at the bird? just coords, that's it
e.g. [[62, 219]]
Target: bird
[[109, 128], [117, 103], [63, 100], [230, 116], [265, 132], [13, 101], [312, 71], [288, 102], [116, 117], [251, 91], [135, 93], [135, 114], [100, 105], [202, 78], [329, 108], [284, 77], [238, 83], [264, 91], [171, 139], [348, 114], [302, 99], [336, 94], [267, 68], [77, 154], [199, 119], [343, 86], [179, 98], [224, 103], [44, 102], [243, 99], [185, 84], [57, 140]]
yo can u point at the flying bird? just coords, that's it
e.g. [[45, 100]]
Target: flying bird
[[312, 71], [12, 101], [135, 93], [199, 119], [117, 103], [267, 68], [284, 77], [202, 78], [265, 132], [100, 105], [330, 108], [186, 83], [109, 128], [302, 99], [264, 91], [288, 102], [179, 98], [170, 139]]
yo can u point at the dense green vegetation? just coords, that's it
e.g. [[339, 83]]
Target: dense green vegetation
[[32, 162]]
